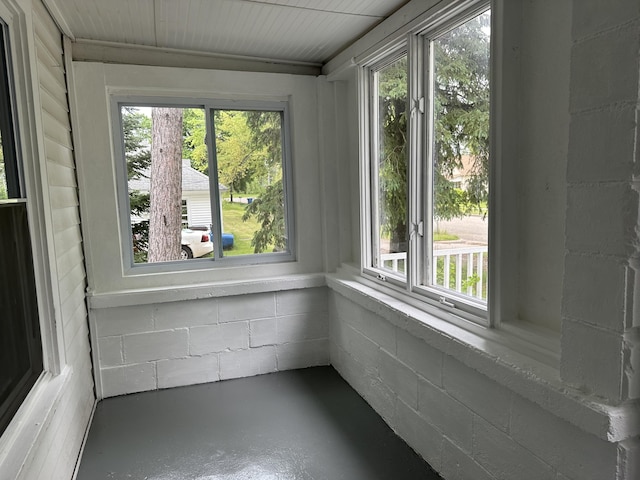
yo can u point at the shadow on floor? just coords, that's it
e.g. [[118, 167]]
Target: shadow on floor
[[294, 425]]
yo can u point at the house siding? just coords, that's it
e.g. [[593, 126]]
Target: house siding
[[58, 445], [198, 208]]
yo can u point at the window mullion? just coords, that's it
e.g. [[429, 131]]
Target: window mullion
[[428, 152], [415, 187], [374, 258], [214, 193]]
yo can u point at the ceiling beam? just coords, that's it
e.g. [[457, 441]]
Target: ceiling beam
[[111, 52]]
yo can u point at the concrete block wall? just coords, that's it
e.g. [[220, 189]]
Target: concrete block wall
[[600, 308], [463, 423], [163, 345]]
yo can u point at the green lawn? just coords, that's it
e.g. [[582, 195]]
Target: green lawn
[[242, 231]]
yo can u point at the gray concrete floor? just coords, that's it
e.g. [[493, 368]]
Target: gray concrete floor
[[295, 425]]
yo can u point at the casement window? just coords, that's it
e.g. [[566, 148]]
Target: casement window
[[209, 183], [21, 360], [426, 163]]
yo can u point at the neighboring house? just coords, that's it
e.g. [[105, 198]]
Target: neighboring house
[[460, 176], [196, 204]]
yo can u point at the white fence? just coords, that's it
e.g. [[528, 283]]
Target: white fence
[[460, 269]]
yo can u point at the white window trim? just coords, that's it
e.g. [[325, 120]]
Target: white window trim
[[412, 39], [208, 104]]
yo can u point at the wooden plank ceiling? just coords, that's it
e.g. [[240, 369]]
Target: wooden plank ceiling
[[289, 30]]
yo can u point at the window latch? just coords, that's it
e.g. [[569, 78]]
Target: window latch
[[446, 302]]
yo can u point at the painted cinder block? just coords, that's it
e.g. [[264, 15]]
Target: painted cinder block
[[592, 359], [128, 379], [361, 348], [504, 458], [263, 332], [595, 279], [603, 82], [632, 367], [419, 434], [146, 347], [309, 300], [458, 465], [601, 218], [246, 307], [345, 310], [594, 16], [110, 349], [187, 371], [399, 377], [381, 398], [375, 328], [445, 413], [424, 359], [247, 363], [356, 374], [304, 326], [218, 338], [186, 314], [560, 444], [303, 354], [629, 451], [480, 394], [602, 145], [123, 320]]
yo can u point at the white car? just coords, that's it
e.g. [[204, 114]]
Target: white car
[[195, 243]]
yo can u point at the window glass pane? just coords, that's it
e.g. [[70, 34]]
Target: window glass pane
[[249, 159], [389, 202], [460, 144], [168, 182]]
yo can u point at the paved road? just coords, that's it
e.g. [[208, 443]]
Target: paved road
[[472, 229]]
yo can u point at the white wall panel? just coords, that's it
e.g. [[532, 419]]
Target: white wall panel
[[56, 449]]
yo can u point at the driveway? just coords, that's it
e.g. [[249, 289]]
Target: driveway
[[472, 229]]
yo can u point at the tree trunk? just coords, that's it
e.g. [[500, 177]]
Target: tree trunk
[[165, 221]]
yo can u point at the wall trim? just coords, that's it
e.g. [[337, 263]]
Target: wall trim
[[201, 291], [85, 50], [33, 417]]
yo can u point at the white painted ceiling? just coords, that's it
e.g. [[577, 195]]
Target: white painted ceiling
[[292, 30]]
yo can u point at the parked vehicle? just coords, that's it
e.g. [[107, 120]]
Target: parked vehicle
[[195, 243]]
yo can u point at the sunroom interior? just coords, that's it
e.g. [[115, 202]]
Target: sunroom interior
[[537, 377]]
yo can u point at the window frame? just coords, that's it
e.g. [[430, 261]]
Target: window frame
[[417, 44], [130, 268]]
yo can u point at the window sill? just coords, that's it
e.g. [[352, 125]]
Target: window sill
[[516, 356], [148, 296], [33, 417]]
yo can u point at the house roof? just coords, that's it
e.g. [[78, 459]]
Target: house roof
[[192, 180]]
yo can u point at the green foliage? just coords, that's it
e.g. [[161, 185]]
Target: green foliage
[[462, 116], [240, 157], [269, 212], [194, 144], [392, 104], [461, 122], [136, 131]]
